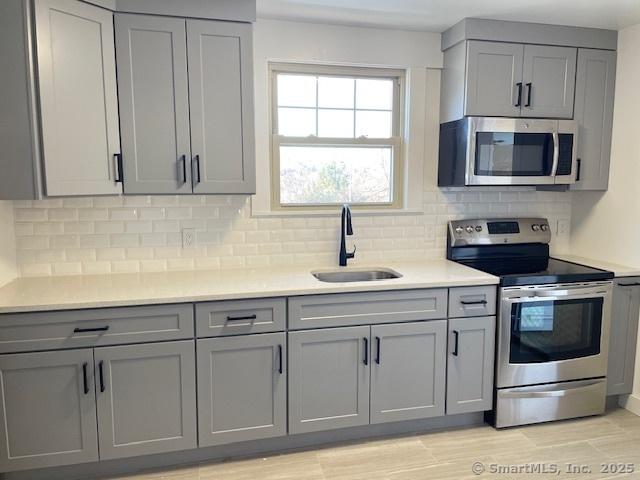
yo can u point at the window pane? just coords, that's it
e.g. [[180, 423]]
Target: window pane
[[296, 122], [373, 124], [374, 94], [335, 92], [335, 123], [296, 90], [327, 175]]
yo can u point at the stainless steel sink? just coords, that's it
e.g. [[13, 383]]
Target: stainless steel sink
[[340, 276]]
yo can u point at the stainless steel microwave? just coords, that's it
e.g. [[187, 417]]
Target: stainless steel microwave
[[507, 151]]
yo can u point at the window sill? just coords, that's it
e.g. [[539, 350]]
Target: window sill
[[333, 212]]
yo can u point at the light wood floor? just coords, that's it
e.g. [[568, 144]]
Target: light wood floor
[[586, 443]]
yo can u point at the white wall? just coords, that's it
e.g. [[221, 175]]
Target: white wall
[[7, 244], [605, 224]]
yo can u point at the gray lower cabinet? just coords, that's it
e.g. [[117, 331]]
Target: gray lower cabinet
[[146, 398], [470, 364], [595, 85], [328, 379], [242, 388], [47, 409], [623, 335], [408, 371]]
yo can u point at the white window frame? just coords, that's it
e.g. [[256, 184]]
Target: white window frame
[[395, 142]]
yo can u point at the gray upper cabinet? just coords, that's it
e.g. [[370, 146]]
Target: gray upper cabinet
[[242, 388], [595, 85], [549, 75], [470, 364], [221, 101], [494, 73], [154, 103], [146, 398], [328, 379], [623, 335], [47, 410], [408, 370], [78, 98]]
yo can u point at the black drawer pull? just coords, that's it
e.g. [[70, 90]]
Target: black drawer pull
[[196, 162], [519, 102], [280, 359], [378, 350], [456, 336], [366, 350], [529, 88], [475, 302], [238, 319], [183, 160], [629, 284], [119, 168], [100, 370], [84, 378], [94, 329]]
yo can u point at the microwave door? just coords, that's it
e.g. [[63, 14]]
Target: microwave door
[[567, 163]]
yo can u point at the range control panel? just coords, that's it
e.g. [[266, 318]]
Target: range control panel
[[499, 231]]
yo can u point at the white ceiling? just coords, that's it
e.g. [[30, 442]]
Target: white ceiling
[[438, 15]]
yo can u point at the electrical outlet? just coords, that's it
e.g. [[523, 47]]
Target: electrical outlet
[[563, 227], [188, 237]]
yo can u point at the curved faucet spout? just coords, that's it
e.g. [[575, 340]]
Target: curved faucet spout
[[346, 228]]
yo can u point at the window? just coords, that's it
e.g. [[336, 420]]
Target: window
[[336, 136]]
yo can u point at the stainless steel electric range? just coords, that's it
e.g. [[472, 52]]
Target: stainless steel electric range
[[553, 321]]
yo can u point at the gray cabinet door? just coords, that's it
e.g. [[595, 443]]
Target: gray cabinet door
[[623, 336], [154, 103], [328, 379], [78, 97], [221, 101], [549, 81], [595, 85], [470, 364], [242, 385], [494, 71], [146, 397], [47, 410], [408, 370]]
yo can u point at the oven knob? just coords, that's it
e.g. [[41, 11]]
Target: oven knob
[[535, 227], [469, 229], [459, 230], [544, 227], [478, 228]]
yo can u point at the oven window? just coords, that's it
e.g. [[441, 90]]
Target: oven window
[[506, 154], [555, 330]]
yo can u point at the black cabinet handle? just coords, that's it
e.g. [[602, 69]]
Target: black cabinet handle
[[94, 329], [119, 170], [238, 319], [183, 160], [476, 302], [196, 161], [280, 359], [519, 102], [378, 350], [629, 284], [579, 167], [456, 336], [84, 378], [101, 372], [529, 88], [366, 350]]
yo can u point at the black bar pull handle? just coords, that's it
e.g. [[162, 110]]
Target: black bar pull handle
[[378, 350], [85, 380], [196, 161], [280, 359], [529, 88], [183, 161], [119, 168], [629, 284], [93, 329], [238, 319], [366, 350], [101, 372], [519, 102], [456, 336], [475, 302], [578, 168]]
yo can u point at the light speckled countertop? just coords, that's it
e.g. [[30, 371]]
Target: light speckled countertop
[[95, 291], [618, 270]]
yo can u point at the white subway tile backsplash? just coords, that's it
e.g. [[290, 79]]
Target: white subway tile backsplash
[[144, 233]]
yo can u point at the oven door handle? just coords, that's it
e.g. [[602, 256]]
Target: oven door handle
[[556, 154], [551, 297], [554, 392]]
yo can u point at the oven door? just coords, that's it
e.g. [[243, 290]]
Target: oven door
[[511, 151], [553, 333]]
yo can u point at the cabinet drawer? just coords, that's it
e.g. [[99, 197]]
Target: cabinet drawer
[[97, 327], [342, 309], [472, 301], [239, 317]]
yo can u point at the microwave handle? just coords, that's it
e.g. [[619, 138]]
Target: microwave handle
[[556, 154]]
